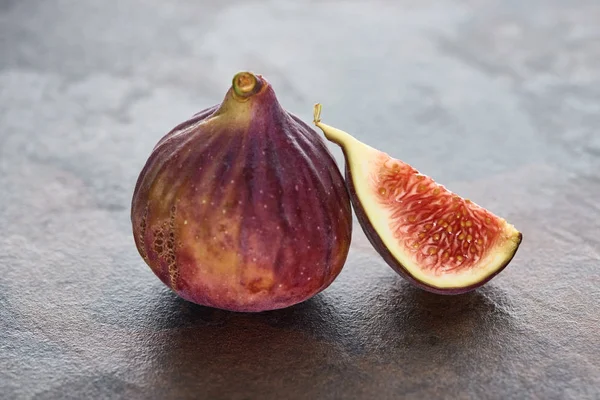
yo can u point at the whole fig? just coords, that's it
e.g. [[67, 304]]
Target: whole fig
[[242, 207]]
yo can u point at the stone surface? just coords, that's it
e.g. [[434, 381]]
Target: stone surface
[[498, 100]]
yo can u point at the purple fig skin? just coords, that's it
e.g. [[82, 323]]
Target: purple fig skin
[[243, 207], [387, 256]]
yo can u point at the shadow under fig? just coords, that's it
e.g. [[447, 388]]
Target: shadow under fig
[[313, 317], [396, 324], [415, 309], [228, 352], [455, 331]]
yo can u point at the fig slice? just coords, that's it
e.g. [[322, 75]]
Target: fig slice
[[434, 238]]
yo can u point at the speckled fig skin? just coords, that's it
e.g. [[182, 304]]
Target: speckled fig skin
[[242, 207]]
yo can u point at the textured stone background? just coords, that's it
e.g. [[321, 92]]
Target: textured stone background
[[497, 99]]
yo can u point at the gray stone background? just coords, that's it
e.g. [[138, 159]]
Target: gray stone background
[[499, 100]]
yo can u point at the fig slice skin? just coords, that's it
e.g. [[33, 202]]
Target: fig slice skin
[[432, 237], [242, 207]]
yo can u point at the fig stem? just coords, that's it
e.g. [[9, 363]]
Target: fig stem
[[244, 84], [317, 113], [335, 135]]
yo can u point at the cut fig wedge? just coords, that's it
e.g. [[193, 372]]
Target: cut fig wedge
[[434, 238]]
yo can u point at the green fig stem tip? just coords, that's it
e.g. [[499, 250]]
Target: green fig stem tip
[[245, 84], [317, 113], [335, 135]]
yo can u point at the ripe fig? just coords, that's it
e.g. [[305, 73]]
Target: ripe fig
[[242, 207], [434, 238]]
